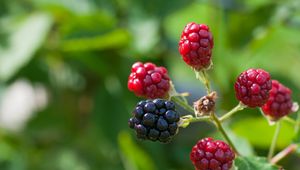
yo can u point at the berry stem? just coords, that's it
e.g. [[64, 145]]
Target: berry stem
[[187, 119], [237, 108], [221, 129], [174, 93], [203, 77], [288, 150], [182, 104], [200, 119], [274, 141], [297, 123], [289, 120]]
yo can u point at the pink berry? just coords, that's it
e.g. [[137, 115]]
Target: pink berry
[[279, 103], [195, 45], [208, 154], [252, 87], [149, 81]]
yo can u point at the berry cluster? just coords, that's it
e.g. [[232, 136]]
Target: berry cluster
[[149, 81], [279, 103], [155, 120], [195, 45], [208, 154]]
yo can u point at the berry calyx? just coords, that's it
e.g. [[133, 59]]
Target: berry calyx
[[195, 45], [252, 87], [155, 120], [210, 154], [206, 104], [279, 103], [149, 81]]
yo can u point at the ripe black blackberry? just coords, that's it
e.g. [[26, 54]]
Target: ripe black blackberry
[[155, 120]]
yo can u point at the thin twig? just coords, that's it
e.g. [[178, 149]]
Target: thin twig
[[274, 141], [288, 150], [237, 108], [221, 129]]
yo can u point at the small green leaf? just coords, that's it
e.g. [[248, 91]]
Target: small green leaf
[[253, 163]]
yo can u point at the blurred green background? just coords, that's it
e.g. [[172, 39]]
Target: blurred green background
[[64, 65]]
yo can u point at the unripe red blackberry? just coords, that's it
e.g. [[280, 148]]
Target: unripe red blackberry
[[149, 81], [208, 154], [279, 103], [155, 120], [252, 87], [195, 45]]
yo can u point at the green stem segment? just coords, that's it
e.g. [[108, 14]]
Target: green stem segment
[[203, 77], [288, 150], [221, 129], [237, 108], [182, 104], [199, 119], [186, 120], [274, 141], [289, 120], [297, 123]]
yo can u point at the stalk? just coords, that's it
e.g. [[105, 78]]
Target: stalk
[[237, 108], [221, 129], [274, 141]]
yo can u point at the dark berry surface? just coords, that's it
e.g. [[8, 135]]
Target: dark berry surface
[[155, 120]]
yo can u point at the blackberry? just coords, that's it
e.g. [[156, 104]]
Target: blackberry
[[155, 120]]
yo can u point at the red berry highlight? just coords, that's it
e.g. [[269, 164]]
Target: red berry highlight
[[209, 154], [252, 87], [149, 81], [279, 103], [195, 45]]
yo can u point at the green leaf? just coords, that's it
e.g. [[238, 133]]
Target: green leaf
[[242, 145], [253, 163], [23, 43], [133, 156], [7, 151], [260, 133], [254, 4], [116, 38]]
